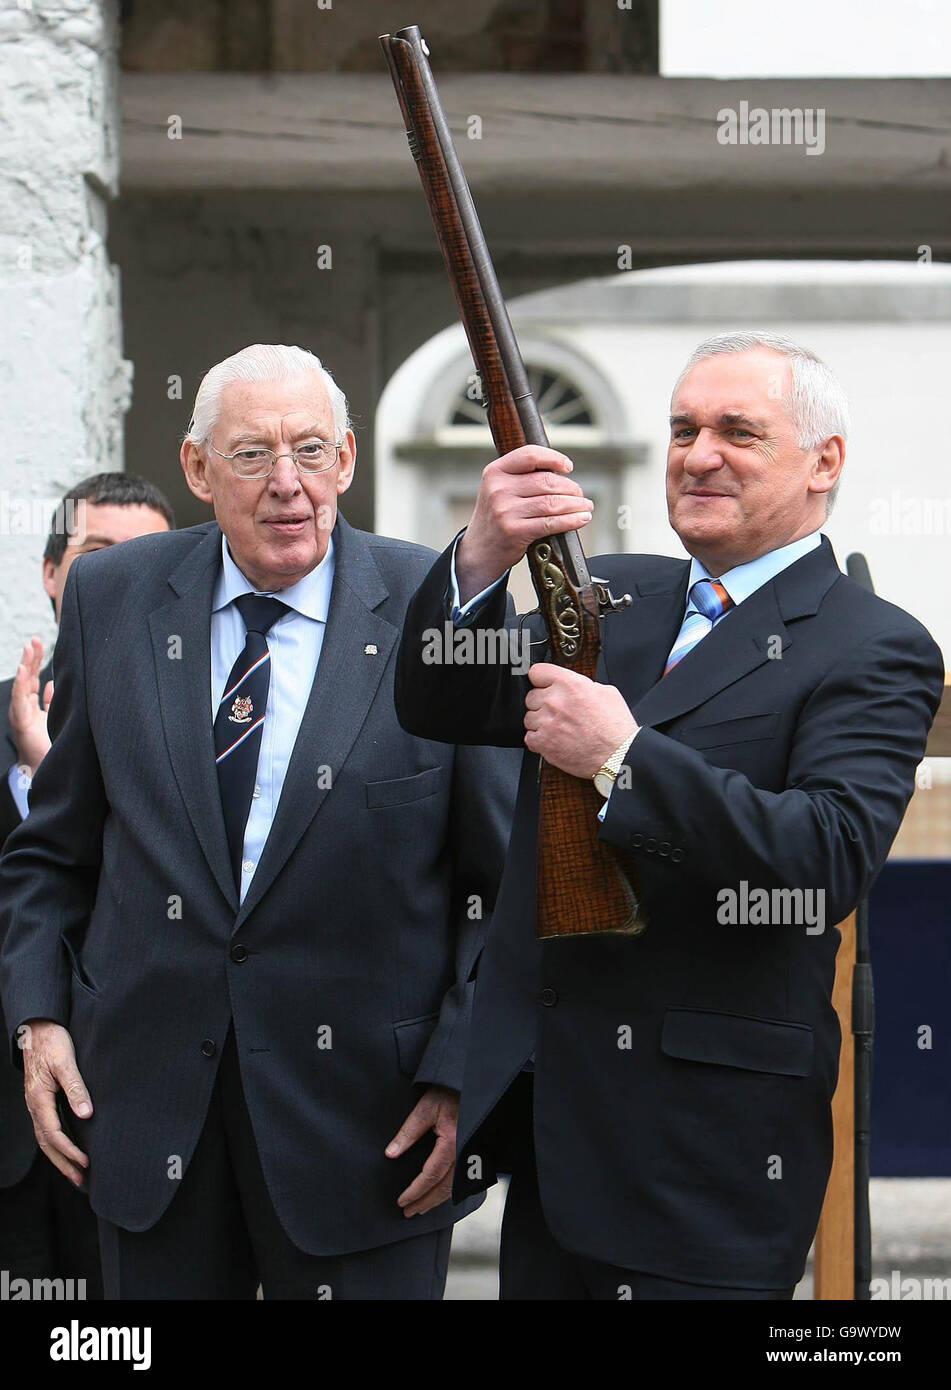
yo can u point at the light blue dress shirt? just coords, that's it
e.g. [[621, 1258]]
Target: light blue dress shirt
[[295, 642], [19, 784]]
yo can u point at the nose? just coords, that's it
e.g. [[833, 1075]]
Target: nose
[[285, 479], [704, 454]]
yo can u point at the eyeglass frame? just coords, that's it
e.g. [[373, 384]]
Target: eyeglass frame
[[292, 454]]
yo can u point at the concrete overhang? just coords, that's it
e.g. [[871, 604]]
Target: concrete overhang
[[539, 133]]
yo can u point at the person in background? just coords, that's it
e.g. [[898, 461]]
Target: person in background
[[47, 1230]]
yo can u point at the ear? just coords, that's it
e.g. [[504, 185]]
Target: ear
[[195, 468], [49, 578], [828, 465], [348, 462]]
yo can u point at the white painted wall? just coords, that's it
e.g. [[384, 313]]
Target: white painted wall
[[814, 38], [64, 384]]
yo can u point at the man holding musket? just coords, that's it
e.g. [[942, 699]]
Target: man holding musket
[[662, 1099]]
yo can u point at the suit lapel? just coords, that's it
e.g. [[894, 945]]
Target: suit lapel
[[637, 640], [184, 686], [737, 645], [345, 684]]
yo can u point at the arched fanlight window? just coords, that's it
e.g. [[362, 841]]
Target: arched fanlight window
[[560, 400], [442, 442]]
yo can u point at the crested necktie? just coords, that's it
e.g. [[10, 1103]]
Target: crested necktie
[[239, 722], [707, 601]]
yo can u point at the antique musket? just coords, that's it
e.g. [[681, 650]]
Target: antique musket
[[583, 885]]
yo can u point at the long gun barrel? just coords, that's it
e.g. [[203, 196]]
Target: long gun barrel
[[582, 884]]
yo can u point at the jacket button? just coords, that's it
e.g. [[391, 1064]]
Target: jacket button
[[239, 953], [637, 841], [208, 1048], [663, 849], [548, 997], [650, 845], [676, 855]]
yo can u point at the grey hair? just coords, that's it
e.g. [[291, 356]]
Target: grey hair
[[261, 362], [816, 404]]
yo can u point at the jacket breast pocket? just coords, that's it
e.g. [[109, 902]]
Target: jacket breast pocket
[[399, 791], [736, 1040], [745, 729]]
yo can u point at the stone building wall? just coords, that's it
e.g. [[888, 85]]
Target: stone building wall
[[64, 382]]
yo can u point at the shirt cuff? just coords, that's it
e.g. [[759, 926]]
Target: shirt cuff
[[463, 613], [19, 783]]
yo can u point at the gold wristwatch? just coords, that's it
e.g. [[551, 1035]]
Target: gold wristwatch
[[606, 775]]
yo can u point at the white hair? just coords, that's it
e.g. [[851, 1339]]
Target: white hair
[[816, 403], [261, 362]]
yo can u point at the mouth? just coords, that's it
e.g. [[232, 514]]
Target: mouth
[[287, 525], [695, 492]]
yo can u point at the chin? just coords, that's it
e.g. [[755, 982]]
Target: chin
[[694, 532], [292, 558]]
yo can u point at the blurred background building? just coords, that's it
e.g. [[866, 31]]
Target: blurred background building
[[183, 177]]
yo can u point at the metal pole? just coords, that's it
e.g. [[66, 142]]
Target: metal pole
[[863, 1029]]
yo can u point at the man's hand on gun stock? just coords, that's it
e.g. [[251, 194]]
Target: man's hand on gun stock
[[574, 723], [49, 1065]]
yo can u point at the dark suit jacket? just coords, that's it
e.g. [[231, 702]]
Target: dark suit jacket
[[657, 1148], [122, 918], [17, 1144]]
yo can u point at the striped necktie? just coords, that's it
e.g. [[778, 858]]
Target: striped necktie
[[239, 723], [708, 600]]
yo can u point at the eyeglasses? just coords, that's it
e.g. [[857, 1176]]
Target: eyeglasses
[[314, 456]]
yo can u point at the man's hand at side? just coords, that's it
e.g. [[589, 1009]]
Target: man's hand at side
[[523, 496], [438, 1110], [49, 1065], [573, 722]]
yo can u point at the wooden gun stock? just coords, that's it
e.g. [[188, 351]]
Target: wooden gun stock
[[582, 885]]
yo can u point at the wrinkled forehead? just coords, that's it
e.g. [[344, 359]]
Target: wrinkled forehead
[[298, 401], [750, 383]]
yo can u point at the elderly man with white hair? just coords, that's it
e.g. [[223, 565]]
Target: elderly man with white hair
[[662, 1100], [242, 918]]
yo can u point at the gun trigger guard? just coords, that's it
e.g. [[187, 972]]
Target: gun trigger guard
[[539, 641]]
